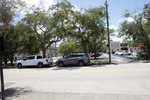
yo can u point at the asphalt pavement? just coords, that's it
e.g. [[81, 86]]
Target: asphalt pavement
[[128, 81]]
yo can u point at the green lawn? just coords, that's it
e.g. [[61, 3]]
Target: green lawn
[[101, 61]]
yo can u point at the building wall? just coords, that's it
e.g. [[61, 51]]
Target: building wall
[[115, 46], [134, 49]]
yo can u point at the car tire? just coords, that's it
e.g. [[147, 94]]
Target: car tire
[[19, 65], [40, 65], [80, 63], [60, 64]]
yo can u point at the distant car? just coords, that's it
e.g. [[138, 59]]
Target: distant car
[[117, 52], [141, 53], [100, 53], [74, 59], [124, 53], [113, 52]]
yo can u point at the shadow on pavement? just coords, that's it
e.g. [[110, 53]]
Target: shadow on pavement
[[73, 67], [15, 92], [68, 68]]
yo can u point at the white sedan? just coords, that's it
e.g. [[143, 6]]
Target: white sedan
[[117, 52], [124, 53]]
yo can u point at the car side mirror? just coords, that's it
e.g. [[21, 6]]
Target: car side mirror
[[24, 59]]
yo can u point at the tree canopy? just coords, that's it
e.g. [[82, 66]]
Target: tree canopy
[[137, 30]]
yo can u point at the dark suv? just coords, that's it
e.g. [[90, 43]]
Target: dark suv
[[74, 59]]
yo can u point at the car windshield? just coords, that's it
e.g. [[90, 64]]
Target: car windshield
[[68, 57]]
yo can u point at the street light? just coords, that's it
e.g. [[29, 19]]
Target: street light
[[108, 32]]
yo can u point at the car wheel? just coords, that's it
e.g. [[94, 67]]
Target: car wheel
[[40, 65], [60, 64], [19, 65], [80, 63]]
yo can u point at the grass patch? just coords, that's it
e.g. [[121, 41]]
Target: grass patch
[[100, 62], [97, 59]]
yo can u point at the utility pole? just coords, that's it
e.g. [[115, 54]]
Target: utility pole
[[2, 8], [108, 31], [1, 67]]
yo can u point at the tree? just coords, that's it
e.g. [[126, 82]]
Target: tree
[[68, 47], [44, 27], [14, 36], [88, 26], [95, 27], [49, 26], [11, 10], [31, 46], [138, 29], [62, 13]]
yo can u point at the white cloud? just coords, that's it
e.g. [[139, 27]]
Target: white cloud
[[113, 27], [32, 2], [47, 3], [120, 20], [117, 39], [40, 3], [130, 19], [75, 8]]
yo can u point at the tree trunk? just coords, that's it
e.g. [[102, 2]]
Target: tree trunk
[[148, 53], [85, 49], [11, 59], [5, 60], [95, 50], [43, 50], [44, 53]]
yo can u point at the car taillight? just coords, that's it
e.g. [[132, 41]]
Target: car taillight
[[46, 60], [87, 57], [139, 53]]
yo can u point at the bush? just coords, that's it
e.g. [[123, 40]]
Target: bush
[[138, 58]]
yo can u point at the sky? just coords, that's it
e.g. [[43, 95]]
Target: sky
[[115, 8]]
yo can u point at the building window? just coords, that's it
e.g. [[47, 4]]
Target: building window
[[138, 48], [134, 48], [117, 44], [111, 44], [114, 44]]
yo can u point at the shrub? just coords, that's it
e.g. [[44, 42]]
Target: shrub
[[138, 58]]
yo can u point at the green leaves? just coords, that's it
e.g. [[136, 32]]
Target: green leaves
[[138, 29], [69, 46], [13, 9]]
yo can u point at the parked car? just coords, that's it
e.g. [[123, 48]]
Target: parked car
[[124, 53], [34, 60], [74, 59], [117, 52], [97, 55], [141, 53], [113, 52]]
